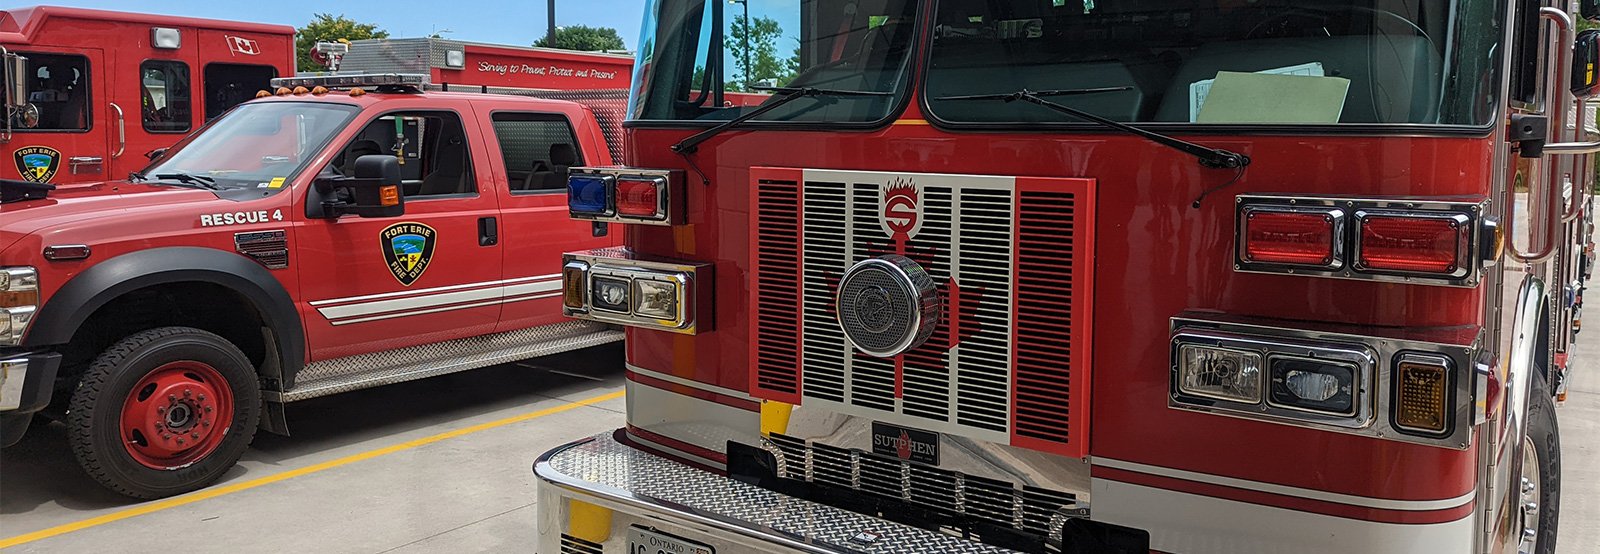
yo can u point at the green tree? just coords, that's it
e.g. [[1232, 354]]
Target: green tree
[[762, 61], [329, 28], [584, 37]]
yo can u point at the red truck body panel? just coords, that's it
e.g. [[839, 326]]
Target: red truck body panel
[[115, 45]]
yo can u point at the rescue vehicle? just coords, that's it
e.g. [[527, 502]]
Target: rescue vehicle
[[88, 93], [307, 243], [1089, 276]]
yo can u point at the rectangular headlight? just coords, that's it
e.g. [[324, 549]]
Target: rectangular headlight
[[609, 293], [655, 298], [1220, 373], [1324, 386]]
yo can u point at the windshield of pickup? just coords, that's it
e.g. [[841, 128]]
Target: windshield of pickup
[[254, 144], [1231, 62], [709, 60]]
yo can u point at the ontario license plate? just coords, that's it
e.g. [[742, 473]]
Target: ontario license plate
[[645, 541]]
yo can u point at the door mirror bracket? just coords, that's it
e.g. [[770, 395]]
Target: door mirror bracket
[[374, 191]]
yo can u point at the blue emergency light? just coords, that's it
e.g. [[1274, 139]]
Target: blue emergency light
[[590, 193]]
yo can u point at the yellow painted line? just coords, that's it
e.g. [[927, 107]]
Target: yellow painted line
[[214, 492]]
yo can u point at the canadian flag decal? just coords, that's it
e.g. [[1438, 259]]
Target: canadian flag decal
[[241, 45]]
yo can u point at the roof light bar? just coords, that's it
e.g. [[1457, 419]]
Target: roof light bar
[[365, 80]]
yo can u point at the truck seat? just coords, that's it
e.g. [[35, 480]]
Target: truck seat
[[1393, 78], [450, 173], [553, 176]]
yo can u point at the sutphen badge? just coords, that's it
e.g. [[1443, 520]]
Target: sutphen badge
[[900, 208], [37, 163], [408, 247]]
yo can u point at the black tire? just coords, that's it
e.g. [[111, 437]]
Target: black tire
[[1546, 440], [94, 420]]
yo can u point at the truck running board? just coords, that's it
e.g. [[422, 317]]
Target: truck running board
[[417, 362], [659, 495]]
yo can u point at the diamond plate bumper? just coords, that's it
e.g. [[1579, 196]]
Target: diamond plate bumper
[[644, 490]]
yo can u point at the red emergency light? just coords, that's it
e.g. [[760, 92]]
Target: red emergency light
[[1292, 236], [641, 197], [1432, 243]]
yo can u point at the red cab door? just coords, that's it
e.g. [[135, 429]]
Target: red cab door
[[427, 276], [66, 133], [536, 149]]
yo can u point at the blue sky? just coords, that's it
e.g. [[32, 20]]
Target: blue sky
[[497, 21]]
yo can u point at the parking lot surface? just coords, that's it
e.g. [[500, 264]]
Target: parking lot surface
[[444, 465]]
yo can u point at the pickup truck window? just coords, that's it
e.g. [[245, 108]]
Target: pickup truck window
[[257, 145], [538, 149], [58, 94], [432, 147], [164, 96]]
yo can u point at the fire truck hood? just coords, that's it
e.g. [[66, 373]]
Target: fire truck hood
[[71, 203]]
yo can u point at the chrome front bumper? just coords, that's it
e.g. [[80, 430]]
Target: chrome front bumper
[[591, 492]]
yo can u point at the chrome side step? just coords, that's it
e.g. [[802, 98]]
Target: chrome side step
[[644, 491], [416, 362]]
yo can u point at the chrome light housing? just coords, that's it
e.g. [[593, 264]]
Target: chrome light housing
[[19, 301], [612, 285]]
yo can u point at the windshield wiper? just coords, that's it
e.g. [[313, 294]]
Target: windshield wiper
[[785, 95], [1209, 157], [191, 179]]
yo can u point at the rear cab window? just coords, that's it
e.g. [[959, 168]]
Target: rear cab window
[[538, 150]]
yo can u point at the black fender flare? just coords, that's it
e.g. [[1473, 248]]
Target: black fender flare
[[66, 310]]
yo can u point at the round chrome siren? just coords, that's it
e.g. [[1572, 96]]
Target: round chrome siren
[[887, 305]]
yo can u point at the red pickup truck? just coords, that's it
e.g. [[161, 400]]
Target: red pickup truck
[[342, 233]]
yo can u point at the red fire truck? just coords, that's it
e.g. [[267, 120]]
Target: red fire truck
[[1088, 276], [88, 93], [304, 244]]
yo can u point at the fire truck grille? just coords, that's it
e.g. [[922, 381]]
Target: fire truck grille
[[1011, 259], [1025, 508], [575, 545]]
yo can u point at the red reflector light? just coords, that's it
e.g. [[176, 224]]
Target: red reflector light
[[640, 198], [1411, 243], [1290, 237]]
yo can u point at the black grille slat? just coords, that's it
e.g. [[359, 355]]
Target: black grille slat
[[1046, 222], [777, 281], [575, 545]]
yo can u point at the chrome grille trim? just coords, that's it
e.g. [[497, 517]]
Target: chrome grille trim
[[1026, 508], [966, 238]]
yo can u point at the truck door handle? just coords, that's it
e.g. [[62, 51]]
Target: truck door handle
[[122, 131], [75, 162], [488, 232]]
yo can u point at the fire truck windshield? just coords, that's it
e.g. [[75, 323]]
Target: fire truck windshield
[[256, 145], [714, 61], [1232, 62]]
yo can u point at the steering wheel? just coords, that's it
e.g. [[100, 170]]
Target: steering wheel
[[1276, 26]]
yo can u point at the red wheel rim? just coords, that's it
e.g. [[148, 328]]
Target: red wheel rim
[[176, 415]]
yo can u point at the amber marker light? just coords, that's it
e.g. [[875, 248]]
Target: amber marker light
[[1422, 394]]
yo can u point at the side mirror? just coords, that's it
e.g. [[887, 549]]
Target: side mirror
[[16, 79], [1586, 63], [1589, 9], [373, 192], [156, 154]]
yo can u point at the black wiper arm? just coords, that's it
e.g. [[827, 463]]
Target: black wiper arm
[[1209, 157], [814, 91], [785, 95], [201, 181]]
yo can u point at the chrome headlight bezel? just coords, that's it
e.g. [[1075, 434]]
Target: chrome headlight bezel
[[690, 310], [15, 315]]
